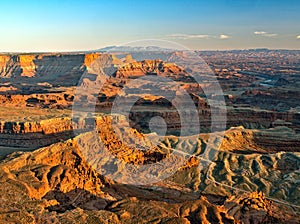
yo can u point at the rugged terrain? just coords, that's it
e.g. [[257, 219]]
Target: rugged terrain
[[59, 142], [56, 184]]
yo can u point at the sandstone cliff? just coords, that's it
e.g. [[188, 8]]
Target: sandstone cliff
[[53, 68]]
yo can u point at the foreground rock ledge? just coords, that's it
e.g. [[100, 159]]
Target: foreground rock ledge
[[55, 185]]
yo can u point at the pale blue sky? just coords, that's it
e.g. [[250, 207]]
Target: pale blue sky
[[67, 25]]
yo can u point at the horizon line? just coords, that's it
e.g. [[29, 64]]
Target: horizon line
[[99, 50]]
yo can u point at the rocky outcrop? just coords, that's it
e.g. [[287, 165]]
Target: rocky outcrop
[[56, 183], [17, 65], [58, 100], [55, 68], [255, 208], [50, 126], [56, 178], [151, 67], [9, 66], [27, 65]]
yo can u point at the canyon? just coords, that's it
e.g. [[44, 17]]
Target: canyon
[[74, 125]]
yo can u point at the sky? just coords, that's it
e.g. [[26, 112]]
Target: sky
[[65, 25]]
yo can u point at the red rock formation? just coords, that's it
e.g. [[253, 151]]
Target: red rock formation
[[145, 67], [56, 183], [27, 65]]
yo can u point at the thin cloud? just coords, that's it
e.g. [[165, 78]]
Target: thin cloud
[[298, 37], [189, 36], [265, 34], [270, 35], [223, 37], [260, 32]]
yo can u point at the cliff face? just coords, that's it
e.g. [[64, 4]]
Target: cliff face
[[50, 126], [157, 67], [54, 68], [27, 65], [50, 100], [9, 66]]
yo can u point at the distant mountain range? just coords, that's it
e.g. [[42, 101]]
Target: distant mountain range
[[136, 49], [133, 49]]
